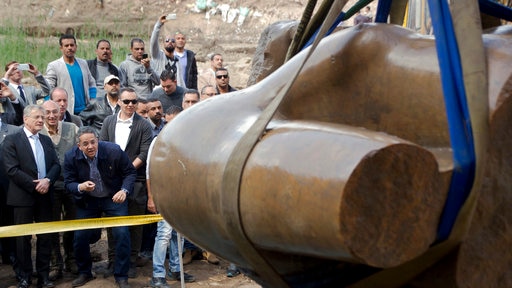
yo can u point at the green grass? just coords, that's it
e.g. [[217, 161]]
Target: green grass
[[39, 47]]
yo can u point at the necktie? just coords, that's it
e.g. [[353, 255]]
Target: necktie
[[22, 94], [95, 177], [41, 165]]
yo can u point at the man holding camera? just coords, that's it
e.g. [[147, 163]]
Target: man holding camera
[[26, 94], [165, 59], [136, 71]]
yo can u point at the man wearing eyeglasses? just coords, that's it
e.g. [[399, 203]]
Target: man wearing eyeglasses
[[207, 92], [222, 81], [33, 167], [134, 135], [100, 176], [164, 59]]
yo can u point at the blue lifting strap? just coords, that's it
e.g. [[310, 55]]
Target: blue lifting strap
[[459, 123]]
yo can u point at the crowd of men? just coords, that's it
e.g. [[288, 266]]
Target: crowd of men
[[77, 146]]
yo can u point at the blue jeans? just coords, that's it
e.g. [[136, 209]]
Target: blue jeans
[[93, 207], [165, 235]]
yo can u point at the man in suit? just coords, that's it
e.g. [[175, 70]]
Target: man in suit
[[32, 165], [26, 94], [100, 176], [60, 96], [133, 134], [72, 74]]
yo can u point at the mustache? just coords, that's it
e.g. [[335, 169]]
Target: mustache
[[169, 48]]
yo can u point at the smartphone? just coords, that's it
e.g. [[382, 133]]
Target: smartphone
[[170, 16], [5, 82], [144, 56], [23, 67]]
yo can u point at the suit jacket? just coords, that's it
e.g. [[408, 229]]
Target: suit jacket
[[20, 165], [57, 75], [32, 94], [12, 112], [139, 139], [115, 168], [5, 130]]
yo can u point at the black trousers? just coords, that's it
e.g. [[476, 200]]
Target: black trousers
[[40, 212]]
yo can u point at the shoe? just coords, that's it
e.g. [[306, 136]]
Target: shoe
[[175, 276], [81, 280], [157, 282], [211, 258], [55, 275], [122, 283], [109, 271], [132, 272], [23, 283], [45, 283], [232, 271]]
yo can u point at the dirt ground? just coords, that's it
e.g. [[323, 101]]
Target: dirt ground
[[206, 275]]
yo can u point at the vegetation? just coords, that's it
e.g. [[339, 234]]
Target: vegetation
[[40, 47]]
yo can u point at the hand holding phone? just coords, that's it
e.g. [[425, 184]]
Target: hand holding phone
[[170, 16], [144, 56]]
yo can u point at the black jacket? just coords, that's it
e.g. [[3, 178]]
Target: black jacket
[[94, 72], [94, 114]]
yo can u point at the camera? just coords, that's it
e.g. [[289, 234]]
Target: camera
[[171, 16]]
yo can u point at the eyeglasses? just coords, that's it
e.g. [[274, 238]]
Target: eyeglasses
[[127, 101], [170, 40], [222, 76]]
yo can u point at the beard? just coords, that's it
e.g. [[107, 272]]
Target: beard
[[169, 49]]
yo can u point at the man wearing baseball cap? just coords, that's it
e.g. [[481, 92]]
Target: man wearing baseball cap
[[105, 105]]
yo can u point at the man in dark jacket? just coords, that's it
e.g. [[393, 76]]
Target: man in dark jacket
[[101, 176], [104, 106], [32, 166], [102, 66]]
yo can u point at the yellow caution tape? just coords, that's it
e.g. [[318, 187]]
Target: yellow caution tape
[[81, 224]]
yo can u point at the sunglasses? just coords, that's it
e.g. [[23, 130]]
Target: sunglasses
[[222, 76], [127, 101], [170, 40]]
